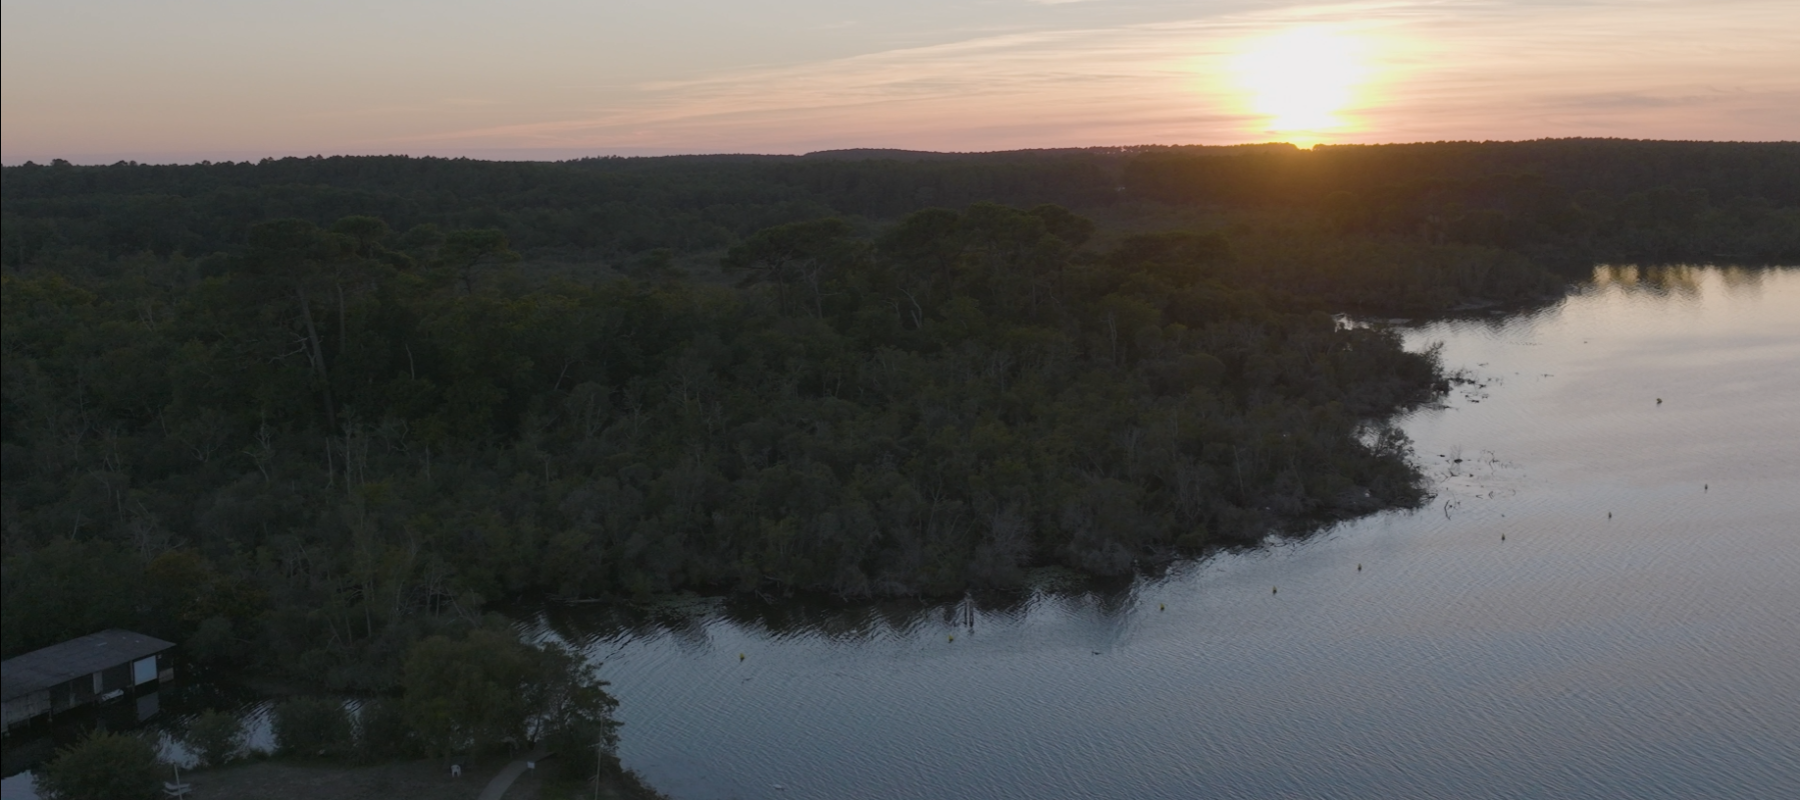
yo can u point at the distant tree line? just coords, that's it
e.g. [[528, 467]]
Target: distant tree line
[[1561, 201], [1611, 198]]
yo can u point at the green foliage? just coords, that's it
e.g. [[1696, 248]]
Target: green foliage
[[67, 588], [466, 250], [487, 691], [381, 731], [103, 766], [340, 453], [215, 736], [311, 726], [396, 390], [795, 257]]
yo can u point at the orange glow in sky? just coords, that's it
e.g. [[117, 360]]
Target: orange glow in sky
[[185, 80]]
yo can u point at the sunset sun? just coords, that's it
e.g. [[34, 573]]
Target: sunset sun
[[1300, 80]]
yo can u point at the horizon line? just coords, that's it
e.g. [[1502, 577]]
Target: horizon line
[[523, 155]]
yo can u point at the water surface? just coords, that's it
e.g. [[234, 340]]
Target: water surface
[[1602, 601]]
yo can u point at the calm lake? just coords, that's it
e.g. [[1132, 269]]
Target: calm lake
[[1602, 601]]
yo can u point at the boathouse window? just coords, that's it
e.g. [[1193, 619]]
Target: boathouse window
[[143, 671]]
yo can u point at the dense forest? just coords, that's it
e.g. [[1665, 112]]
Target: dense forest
[[1606, 199], [301, 414]]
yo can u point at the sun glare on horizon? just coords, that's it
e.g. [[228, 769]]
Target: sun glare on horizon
[[1300, 80]]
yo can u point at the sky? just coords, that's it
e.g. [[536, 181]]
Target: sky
[[97, 81]]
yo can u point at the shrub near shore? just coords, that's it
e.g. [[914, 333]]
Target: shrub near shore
[[103, 766]]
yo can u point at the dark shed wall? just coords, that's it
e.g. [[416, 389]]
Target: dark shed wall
[[115, 678]]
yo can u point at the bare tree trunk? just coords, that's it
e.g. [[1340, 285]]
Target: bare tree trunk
[[318, 358]]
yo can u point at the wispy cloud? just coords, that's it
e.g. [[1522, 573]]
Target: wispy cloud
[[1100, 72], [1030, 83], [1443, 70]]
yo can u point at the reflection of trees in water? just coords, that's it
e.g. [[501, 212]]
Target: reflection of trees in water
[[1682, 280], [1747, 282], [600, 628], [1741, 277], [1678, 280]]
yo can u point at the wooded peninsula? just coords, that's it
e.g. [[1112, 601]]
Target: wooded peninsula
[[299, 415]]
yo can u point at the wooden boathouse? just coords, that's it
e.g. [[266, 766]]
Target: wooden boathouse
[[78, 672]]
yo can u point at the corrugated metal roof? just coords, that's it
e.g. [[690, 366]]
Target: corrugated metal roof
[[42, 669]]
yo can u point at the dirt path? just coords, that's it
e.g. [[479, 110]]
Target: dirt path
[[496, 788], [411, 780]]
